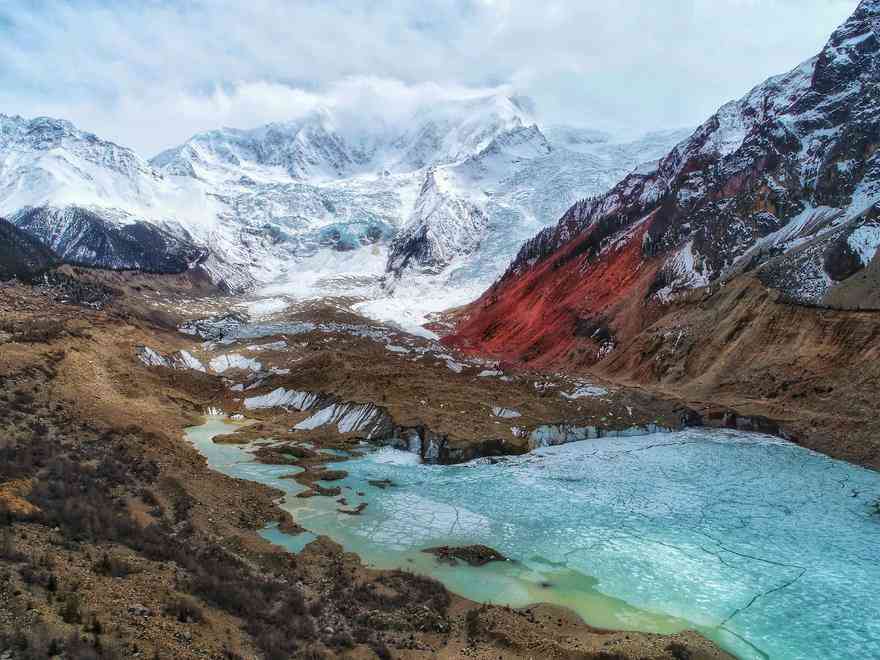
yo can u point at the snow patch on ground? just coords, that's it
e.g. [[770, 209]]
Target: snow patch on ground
[[396, 349], [266, 307], [584, 391], [349, 418], [182, 360], [684, 270], [151, 358], [271, 346], [223, 363], [864, 241], [191, 362], [282, 398]]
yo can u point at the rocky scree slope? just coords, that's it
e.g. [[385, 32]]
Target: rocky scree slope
[[780, 184]]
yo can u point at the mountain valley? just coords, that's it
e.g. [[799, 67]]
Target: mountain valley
[[449, 383]]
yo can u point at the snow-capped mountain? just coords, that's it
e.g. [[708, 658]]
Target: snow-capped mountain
[[96, 203], [781, 182], [501, 195], [473, 216], [444, 196]]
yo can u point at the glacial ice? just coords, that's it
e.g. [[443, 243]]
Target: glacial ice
[[743, 535], [763, 546], [348, 417]]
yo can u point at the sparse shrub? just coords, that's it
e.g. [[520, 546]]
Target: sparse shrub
[[22, 400], [78, 474], [8, 551], [184, 609], [381, 650], [313, 653], [678, 651], [182, 501], [95, 626], [70, 609], [149, 497], [341, 640], [274, 643], [472, 624], [112, 567], [30, 574]]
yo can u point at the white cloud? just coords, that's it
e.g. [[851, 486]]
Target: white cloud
[[149, 74]]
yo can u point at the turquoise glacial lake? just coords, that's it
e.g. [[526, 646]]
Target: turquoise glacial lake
[[768, 549]]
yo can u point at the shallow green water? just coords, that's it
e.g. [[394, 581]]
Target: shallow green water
[[764, 547]]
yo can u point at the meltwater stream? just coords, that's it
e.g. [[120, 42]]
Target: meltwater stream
[[769, 549]]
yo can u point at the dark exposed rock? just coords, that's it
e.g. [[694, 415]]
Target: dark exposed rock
[[331, 475], [475, 555], [840, 261], [79, 236], [594, 328], [335, 491], [355, 511], [22, 256], [288, 525]]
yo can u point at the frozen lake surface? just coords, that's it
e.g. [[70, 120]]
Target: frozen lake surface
[[767, 548]]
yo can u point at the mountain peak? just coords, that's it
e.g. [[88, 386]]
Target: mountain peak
[[523, 103], [18, 127]]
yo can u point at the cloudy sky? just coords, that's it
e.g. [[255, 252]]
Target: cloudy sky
[[150, 73]]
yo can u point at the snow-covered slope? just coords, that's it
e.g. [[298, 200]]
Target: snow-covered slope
[[446, 195], [96, 203], [320, 205], [473, 216]]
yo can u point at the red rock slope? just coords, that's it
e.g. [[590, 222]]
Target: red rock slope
[[780, 184]]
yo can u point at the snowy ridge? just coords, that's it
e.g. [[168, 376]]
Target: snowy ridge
[[793, 159]]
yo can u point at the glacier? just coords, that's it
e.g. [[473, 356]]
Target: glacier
[[405, 219]]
